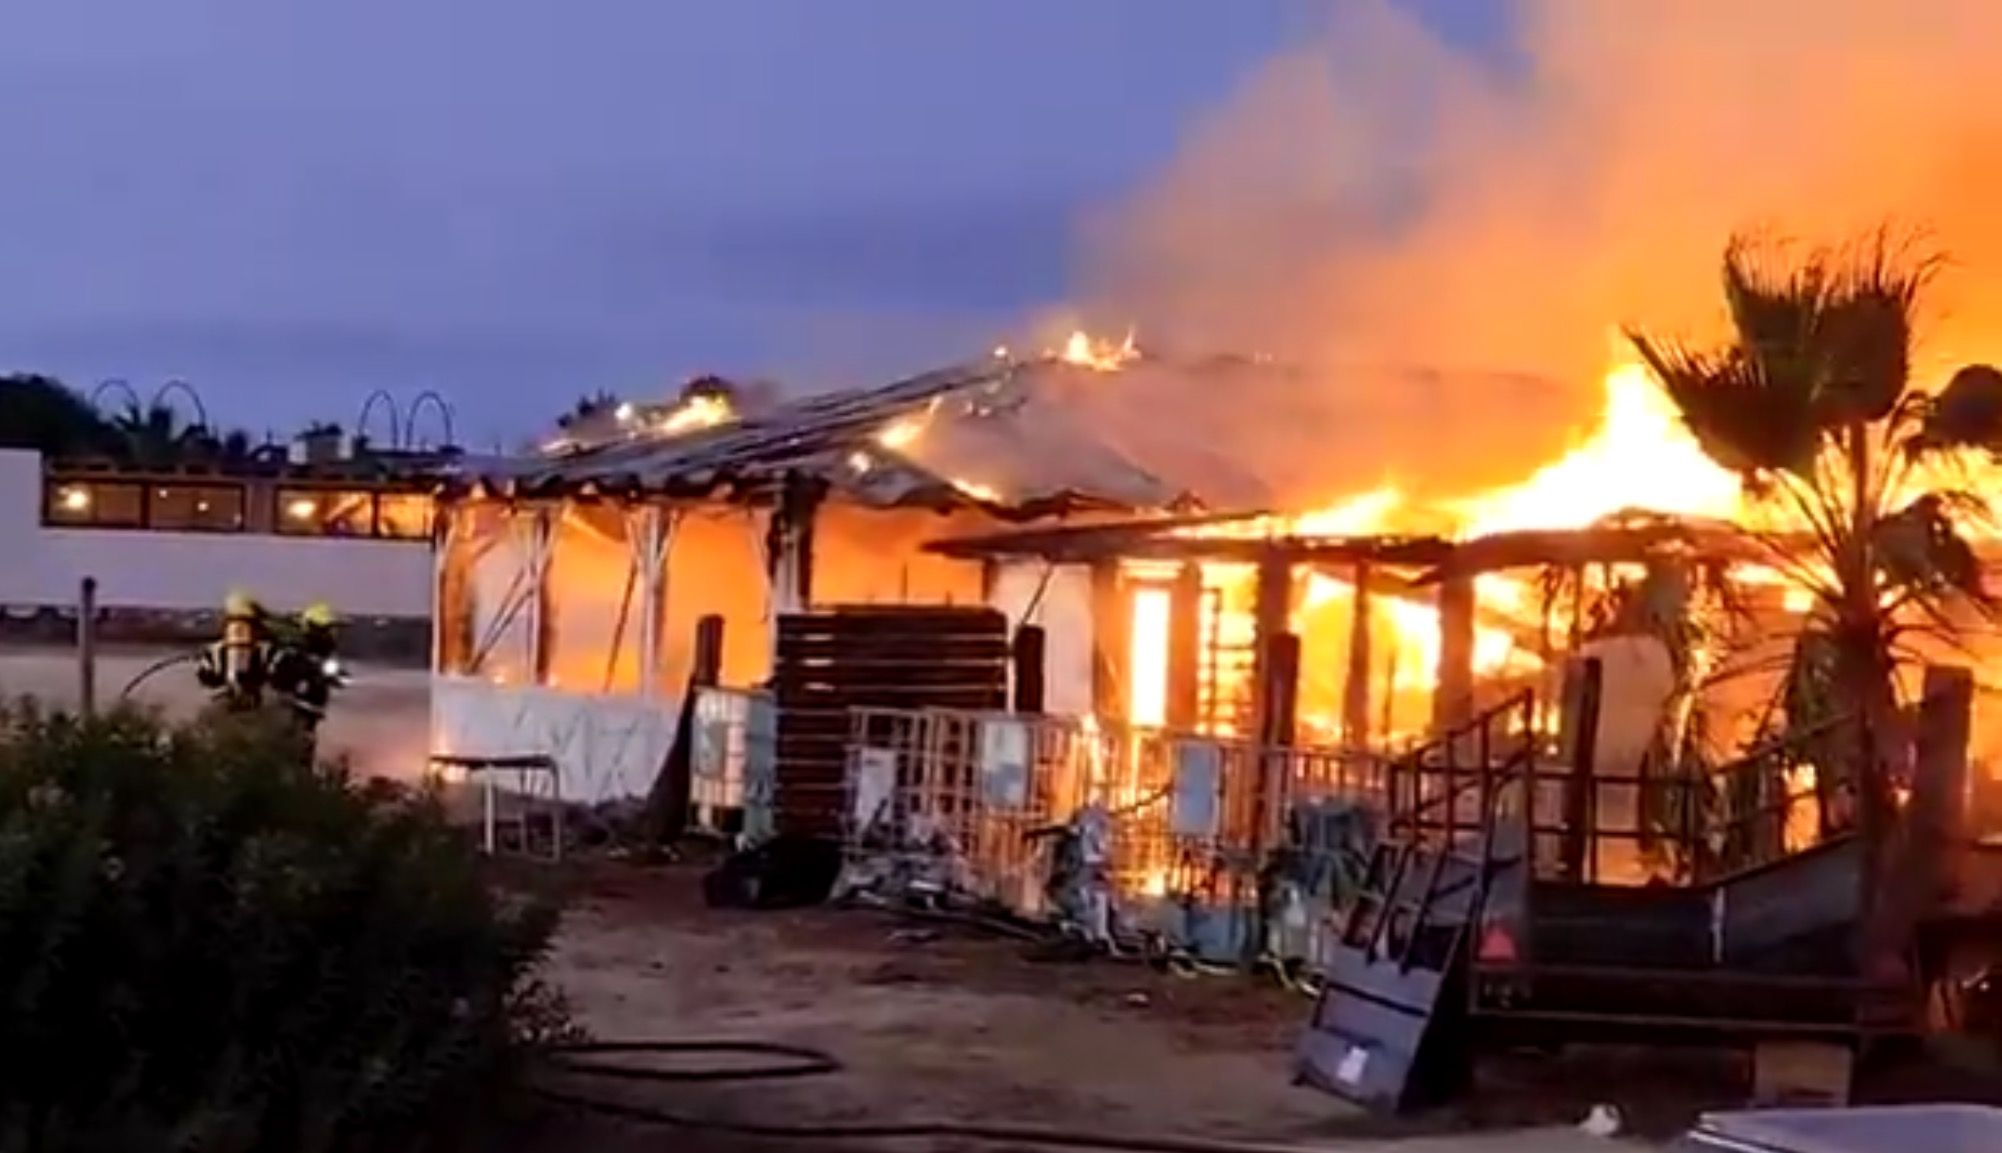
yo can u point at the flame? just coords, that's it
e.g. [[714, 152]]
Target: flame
[[1637, 456], [984, 493], [1086, 351], [902, 432], [694, 414], [1640, 456]]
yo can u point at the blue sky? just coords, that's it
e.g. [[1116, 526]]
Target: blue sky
[[518, 201]]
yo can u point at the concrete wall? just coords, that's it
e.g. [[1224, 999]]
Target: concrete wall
[[193, 570]]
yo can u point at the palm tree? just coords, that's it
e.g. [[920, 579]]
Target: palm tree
[[1810, 401]]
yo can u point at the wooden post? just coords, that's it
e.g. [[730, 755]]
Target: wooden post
[[1355, 689], [668, 801], [1583, 680], [537, 537], [1028, 657], [1926, 839], [1185, 648], [1453, 693], [789, 545], [1278, 694], [1279, 690], [86, 646], [706, 663], [1272, 611], [652, 542], [1111, 628]]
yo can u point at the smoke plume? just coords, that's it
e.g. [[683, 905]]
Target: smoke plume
[[1375, 198]]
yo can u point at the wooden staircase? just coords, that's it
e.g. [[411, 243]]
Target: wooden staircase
[[1468, 937]]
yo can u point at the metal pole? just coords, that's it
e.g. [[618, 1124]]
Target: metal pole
[[86, 646]]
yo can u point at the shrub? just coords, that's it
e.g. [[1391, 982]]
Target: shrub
[[209, 941]]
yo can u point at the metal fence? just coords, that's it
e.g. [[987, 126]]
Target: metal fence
[[733, 767], [1178, 831]]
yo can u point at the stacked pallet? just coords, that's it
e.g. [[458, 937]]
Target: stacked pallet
[[885, 657]]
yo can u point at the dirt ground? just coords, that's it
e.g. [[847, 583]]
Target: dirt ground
[[936, 1021]]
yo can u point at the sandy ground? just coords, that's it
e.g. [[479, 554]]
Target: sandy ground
[[381, 722], [943, 1022]]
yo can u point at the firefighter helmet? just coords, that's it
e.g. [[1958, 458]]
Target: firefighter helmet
[[239, 604], [318, 615]]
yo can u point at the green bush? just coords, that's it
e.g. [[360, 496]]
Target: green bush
[[209, 942]]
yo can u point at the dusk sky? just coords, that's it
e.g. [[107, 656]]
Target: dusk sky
[[518, 201]]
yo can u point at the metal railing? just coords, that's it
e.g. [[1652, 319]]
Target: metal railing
[[972, 803]]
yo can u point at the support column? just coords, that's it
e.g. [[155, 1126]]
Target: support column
[[1185, 648], [1271, 613], [1913, 871], [1111, 628], [1453, 692], [446, 594], [651, 532], [789, 545], [537, 529], [1027, 655], [1355, 689]]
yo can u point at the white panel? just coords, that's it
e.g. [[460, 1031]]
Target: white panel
[[606, 746]]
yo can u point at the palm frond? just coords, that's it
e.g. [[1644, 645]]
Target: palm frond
[[1922, 554], [1966, 414], [1866, 327], [1741, 418]]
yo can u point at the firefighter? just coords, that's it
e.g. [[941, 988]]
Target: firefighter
[[237, 665], [306, 667]]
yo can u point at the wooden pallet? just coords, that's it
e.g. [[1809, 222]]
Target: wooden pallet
[[890, 657]]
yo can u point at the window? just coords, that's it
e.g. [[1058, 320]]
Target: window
[[325, 512], [93, 504], [403, 515], [195, 508]]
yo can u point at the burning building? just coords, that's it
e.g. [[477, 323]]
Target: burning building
[[1181, 589]]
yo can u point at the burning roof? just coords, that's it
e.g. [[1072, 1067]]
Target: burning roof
[[1020, 436], [1091, 426]]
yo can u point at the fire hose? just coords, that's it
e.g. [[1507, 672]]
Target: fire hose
[[795, 1062]]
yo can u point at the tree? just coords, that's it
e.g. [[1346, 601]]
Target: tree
[[41, 413], [1810, 401]]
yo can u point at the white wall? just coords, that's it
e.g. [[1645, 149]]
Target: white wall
[[42, 566]]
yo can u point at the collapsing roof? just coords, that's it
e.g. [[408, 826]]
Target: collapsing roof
[[1019, 437], [1622, 538], [970, 435]]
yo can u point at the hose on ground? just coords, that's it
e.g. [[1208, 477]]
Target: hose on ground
[[795, 1062], [161, 665]]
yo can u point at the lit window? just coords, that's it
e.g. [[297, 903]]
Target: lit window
[[93, 504], [325, 512], [195, 508], [403, 515]]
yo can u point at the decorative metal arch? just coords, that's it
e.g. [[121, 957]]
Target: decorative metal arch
[[367, 406], [162, 394], [109, 384], [444, 418]]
